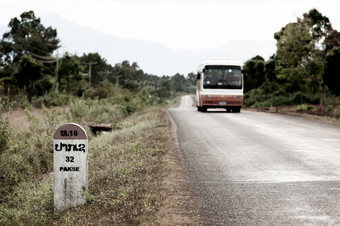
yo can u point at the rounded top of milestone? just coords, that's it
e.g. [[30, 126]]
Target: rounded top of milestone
[[70, 131]]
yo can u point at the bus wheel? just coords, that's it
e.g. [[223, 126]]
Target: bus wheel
[[204, 109], [237, 109], [228, 109], [199, 108]]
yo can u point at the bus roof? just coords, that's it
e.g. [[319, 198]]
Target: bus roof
[[220, 61]]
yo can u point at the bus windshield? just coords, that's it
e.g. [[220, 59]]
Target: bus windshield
[[222, 77]]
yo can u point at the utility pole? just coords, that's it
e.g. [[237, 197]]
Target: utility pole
[[90, 69], [57, 65], [56, 72]]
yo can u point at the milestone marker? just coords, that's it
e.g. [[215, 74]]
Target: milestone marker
[[70, 150]]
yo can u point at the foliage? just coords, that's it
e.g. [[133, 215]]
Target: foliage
[[301, 52], [5, 135], [26, 54], [97, 111], [68, 72], [125, 72], [27, 154], [305, 107], [255, 71], [110, 109], [178, 82], [274, 94], [27, 66], [27, 73], [336, 113], [97, 71], [304, 66], [292, 49], [332, 67], [28, 36], [165, 88]]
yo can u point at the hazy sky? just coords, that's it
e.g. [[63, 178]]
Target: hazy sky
[[179, 24]]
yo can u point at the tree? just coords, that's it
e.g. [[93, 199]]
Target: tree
[[165, 88], [178, 82], [27, 36], [101, 72], [292, 49], [255, 70], [128, 74], [320, 28], [151, 82], [301, 52], [270, 69], [332, 67], [27, 73], [28, 45], [68, 72], [192, 78]]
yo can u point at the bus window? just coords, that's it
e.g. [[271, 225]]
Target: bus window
[[222, 77]]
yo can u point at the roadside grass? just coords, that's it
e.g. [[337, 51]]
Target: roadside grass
[[126, 171]]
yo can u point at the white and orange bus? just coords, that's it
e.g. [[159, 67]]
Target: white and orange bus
[[220, 85]]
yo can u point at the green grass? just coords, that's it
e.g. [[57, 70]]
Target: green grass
[[126, 170], [305, 107]]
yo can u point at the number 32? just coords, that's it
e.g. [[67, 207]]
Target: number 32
[[69, 159]]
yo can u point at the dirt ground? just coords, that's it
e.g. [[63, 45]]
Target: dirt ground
[[18, 118], [180, 206], [315, 112]]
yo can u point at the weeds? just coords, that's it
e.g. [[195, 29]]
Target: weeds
[[305, 107], [30, 204], [27, 155], [336, 113], [125, 170], [5, 135]]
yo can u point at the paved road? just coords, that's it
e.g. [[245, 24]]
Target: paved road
[[253, 168]]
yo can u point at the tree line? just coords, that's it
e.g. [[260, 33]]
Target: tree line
[[30, 65], [305, 68]]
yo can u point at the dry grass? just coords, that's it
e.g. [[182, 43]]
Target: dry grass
[[134, 178], [18, 118], [328, 114]]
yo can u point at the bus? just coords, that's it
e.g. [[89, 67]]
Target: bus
[[220, 85]]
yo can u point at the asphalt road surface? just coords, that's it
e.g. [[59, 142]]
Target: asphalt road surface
[[253, 168]]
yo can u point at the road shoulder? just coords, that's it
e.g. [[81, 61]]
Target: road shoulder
[[180, 205]]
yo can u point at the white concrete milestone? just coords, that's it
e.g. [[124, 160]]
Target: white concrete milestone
[[70, 151]]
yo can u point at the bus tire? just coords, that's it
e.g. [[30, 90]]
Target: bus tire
[[237, 109]]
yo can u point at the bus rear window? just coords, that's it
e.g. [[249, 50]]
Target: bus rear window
[[222, 77]]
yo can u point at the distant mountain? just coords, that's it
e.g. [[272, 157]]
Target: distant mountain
[[152, 58]]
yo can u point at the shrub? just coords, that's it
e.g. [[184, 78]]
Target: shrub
[[274, 101], [303, 98], [305, 107], [5, 135], [273, 94], [78, 109], [336, 113], [329, 108], [28, 153]]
